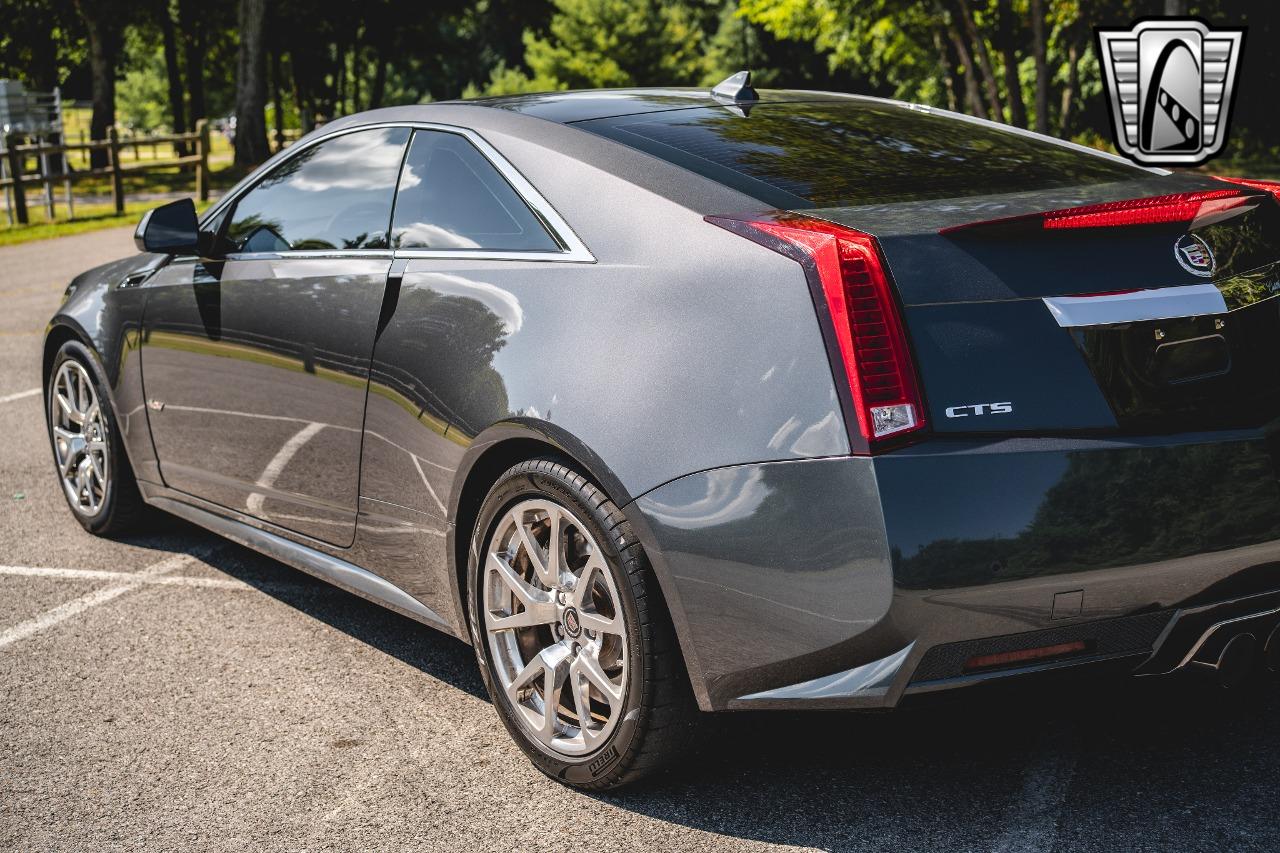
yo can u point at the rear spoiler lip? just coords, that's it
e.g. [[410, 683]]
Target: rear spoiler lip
[[1218, 206]]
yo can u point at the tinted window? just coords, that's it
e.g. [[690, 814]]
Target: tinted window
[[838, 154], [335, 195], [452, 197]]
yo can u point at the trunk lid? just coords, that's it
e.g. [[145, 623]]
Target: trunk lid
[[1010, 334]]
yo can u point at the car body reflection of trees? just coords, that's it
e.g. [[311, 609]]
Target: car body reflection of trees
[[1119, 509]]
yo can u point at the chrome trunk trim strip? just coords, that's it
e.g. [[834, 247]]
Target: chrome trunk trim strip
[[1165, 303]]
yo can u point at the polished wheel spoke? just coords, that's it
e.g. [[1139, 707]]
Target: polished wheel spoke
[[555, 627], [598, 624], [524, 593], [541, 613], [582, 702], [590, 669]]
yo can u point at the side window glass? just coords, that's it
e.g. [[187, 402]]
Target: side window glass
[[452, 197], [334, 195]]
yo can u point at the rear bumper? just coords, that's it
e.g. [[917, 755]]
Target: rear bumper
[[852, 582]]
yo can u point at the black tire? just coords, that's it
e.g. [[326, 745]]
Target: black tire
[[122, 508], [658, 711]]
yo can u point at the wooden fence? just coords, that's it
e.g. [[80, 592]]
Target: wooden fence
[[18, 178]]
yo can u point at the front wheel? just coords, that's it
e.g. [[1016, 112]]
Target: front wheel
[[575, 646], [88, 451]]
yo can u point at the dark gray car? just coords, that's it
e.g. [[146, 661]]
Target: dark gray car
[[668, 400]]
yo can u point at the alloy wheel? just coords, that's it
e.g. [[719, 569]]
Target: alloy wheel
[[555, 627], [80, 443]]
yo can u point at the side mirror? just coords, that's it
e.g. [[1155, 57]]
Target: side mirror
[[170, 229]]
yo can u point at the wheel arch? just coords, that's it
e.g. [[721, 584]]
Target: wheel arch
[[61, 330], [491, 453], [511, 442]]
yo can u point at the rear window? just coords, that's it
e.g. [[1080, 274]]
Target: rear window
[[846, 154]]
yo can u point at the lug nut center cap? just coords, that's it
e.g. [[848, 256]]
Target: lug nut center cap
[[572, 624]]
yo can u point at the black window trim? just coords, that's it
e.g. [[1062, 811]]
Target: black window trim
[[572, 247]]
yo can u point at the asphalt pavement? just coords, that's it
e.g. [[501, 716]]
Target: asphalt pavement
[[172, 691]]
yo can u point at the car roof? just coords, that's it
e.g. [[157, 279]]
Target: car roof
[[587, 104]]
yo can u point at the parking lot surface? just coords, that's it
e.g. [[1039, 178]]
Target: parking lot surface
[[173, 691]]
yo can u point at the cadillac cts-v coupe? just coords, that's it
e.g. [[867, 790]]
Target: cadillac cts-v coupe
[[675, 400]]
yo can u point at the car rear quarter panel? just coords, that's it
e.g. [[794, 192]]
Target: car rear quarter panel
[[681, 348]]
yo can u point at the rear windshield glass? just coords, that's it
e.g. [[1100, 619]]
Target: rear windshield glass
[[844, 154]]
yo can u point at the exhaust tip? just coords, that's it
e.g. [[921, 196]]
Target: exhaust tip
[[1272, 653], [1236, 663]]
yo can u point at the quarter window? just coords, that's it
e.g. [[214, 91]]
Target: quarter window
[[334, 195], [452, 197]]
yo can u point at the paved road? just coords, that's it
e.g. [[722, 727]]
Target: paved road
[[171, 691]]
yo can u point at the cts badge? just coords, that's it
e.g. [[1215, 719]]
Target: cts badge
[[1194, 254], [1170, 82], [980, 409]]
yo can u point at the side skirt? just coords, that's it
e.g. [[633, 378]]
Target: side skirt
[[340, 573]]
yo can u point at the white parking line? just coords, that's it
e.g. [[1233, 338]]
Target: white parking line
[[105, 575], [21, 395], [1032, 823], [75, 607]]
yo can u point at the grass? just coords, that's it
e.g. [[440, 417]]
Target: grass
[[89, 217], [93, 209]]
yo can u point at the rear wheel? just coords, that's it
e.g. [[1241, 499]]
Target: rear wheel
[[574, 643], [88, 452]]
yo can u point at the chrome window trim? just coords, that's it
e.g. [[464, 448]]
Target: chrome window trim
[[305, 254], [574, 249], [1164, 303]]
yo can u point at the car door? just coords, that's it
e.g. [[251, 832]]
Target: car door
[[256, 365], [468, 232]]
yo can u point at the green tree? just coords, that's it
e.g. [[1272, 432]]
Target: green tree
[[141, 94], [600, 43]]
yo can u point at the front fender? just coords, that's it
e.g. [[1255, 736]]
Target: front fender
[[102, 308]]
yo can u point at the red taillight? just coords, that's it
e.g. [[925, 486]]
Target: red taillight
[[1272, 187], [1180, 207], [1155, 210], [867, 328]]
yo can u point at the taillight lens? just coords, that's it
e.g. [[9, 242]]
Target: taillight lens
[[1272, 187], [865, 323]]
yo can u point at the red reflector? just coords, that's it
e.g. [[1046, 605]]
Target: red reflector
[[868, 330], [1272, 187], [1156, 210], [1025, 655]]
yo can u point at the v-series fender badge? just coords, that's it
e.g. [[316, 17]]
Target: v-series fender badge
[[978, 409]]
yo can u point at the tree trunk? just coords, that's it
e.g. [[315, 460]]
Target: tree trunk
[[177, 109], [277, 99], [340, 82], [1009, 52], [104, 46], [983, 58], [1042, 68], [378, 90], [192, 25], [1070, 89], [972, 97], [947, 62], [43, 71], [251, 86], [301, 96]]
